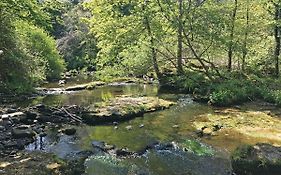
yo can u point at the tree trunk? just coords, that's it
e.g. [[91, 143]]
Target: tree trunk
[[180, 30], [230, 48], [277, 39], [152, 45], [245, 52]]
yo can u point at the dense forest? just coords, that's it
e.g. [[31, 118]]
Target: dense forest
[[101, 73], [204, 47]]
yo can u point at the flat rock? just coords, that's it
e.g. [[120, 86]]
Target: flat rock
[[122, 108]]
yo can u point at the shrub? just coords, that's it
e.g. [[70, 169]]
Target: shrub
[[40, 49], [233, 91]]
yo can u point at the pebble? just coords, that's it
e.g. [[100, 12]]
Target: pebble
[[176, 126], [141, 125], [129, 127], [207, 131], [115, 123]]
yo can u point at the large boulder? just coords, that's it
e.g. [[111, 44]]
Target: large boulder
[[260, 159]]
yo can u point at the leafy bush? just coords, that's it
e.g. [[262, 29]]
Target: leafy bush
[[190, 82], [32, 59], [40, 50], [233, 91], [109, 73]]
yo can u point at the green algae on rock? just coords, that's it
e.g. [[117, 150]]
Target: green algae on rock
[[122, 108], [197, 148]]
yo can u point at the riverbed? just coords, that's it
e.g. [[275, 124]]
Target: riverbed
[[204, 155]]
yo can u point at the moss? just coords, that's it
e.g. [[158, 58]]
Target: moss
[[253, 124], [197, 148], [122, 108]]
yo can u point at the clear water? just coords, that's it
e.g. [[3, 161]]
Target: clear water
[[158, 126]]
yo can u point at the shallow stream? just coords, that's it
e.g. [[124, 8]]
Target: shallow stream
[[205, 156]]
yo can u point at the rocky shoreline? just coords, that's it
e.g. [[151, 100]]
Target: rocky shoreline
[[20, 126]]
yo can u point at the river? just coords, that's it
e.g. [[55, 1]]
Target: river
[[205, 156]]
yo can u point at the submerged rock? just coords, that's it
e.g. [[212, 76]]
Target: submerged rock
[[158, 159], [69, 131], [102, 145], [122, 108], [260, 159], [255, 124], [141, 125], [19, 133], [130, 127]]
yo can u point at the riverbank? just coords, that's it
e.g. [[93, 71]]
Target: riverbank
[[233, 89]]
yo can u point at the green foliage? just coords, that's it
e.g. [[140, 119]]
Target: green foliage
[[41, 48], [109, 73], [242, 152], [190, 82], [29, 54], [233, 91], [76, 44], [272, 96], [55, 10]]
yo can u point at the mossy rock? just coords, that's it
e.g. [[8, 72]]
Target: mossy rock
[[197, 148], [260, 159], [123, 108]]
